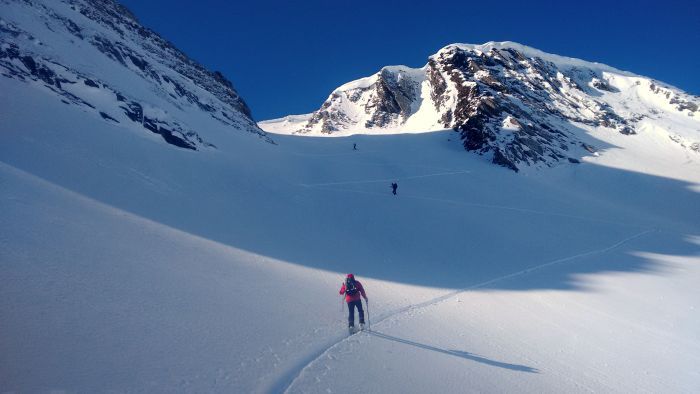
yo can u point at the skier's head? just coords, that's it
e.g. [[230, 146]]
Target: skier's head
[[351, 276]]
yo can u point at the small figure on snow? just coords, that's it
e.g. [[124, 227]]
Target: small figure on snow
[[394, 186], [352, 289], [354, 146]]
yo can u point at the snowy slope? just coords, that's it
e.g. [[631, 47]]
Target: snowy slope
[[131, 265], [515, 105], [149, 269]]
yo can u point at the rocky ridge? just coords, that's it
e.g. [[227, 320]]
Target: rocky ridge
[[47, 44], [515, 105]]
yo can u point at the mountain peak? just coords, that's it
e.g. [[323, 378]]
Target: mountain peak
[[516, 105]]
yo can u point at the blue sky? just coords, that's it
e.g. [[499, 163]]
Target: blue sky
[[286, 57]]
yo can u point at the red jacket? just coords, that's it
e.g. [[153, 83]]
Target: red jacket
[[356, 296]]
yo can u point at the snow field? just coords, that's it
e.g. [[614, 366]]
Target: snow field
[[129, 265]]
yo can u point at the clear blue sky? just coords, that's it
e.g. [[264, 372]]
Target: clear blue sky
[[285, 57]]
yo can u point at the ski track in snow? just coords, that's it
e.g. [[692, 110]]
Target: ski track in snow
[[323, 186], [375, 162], [385, 180], [287, 380], [357, 152]]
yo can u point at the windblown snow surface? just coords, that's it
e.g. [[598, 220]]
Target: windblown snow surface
[[130, 265]]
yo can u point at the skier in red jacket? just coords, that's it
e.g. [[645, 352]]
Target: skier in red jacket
[[352, 290]]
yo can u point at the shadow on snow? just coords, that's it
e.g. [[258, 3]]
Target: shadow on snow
[[457, 221], [456, 353]]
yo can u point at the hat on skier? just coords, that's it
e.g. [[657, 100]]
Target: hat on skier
[[351, 276]]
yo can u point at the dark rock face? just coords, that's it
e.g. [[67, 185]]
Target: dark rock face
[[488, 96], [326, 118], [156, 127], [680, 103], [121, 39], [500, 159], [107, 117], [392, 99], [91, 83], [437, 84], [387, 101], [603, 85]]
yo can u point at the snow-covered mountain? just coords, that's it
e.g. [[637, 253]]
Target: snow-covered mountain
[[514, 104], [94, 55]]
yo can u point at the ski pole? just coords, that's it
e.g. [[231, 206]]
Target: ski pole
[[342, 310], [369, 322]]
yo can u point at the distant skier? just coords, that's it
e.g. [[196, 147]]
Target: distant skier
[[352, 289], [394, 186], [354, 146]]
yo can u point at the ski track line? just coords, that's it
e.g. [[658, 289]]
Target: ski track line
[[386, 180], [522, 210], [374, 162], [473, 204], [357, 152], [287, 380]]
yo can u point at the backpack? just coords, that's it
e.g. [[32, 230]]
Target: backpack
[[350, 288]]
